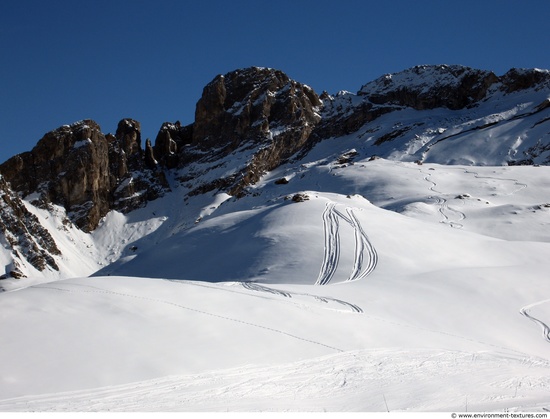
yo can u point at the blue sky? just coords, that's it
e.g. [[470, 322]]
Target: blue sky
[[62, 61]]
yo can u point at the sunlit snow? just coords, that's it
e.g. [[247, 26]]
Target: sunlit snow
[[358, 284]]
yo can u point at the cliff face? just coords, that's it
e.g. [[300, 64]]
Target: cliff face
[[252, 105], [255, 109], [69, 166], [135, 177], [88, 173], [428, 87]]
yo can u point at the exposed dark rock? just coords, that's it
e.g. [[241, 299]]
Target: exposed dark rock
[[78, 167], [258, 113], [170, 142], [421, 87], [347, 157], [520, 79], [252, 105], [300, 197], [428, 87], [258, 108], [138, 181], [545, 104], [150, 160], [69, 166], [24, 234], [281, 181], [128, 134]]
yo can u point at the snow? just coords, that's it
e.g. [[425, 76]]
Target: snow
[[431, 300], [394, 286], [82, 143], [362, 380], [420, 78]]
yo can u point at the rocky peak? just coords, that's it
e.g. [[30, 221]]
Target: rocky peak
[[430, 86], [260, 113], [69, 167], [125, 153], [170, 141], [136, 178], [128, 134], [421, 87], [251, 105], [520, 79], [78, 167], [254, 108]]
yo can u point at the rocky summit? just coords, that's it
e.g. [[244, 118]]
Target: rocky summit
[[249, 122]]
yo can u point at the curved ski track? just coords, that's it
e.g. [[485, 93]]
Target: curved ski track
[[363, 246], [444, 206], [445, 210], [254, 286], [516, 182], [545, 328], [332, 245]]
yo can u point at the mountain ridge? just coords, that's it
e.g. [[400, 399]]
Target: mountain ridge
[[251, 121], [390, 255]]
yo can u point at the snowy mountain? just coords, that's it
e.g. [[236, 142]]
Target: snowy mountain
[[384, 250]]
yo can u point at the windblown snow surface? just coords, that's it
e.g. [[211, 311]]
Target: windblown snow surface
[[392, 286]]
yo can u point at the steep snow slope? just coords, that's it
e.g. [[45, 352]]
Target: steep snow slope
[[504, 128]]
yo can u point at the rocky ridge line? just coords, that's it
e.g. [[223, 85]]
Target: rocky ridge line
[[259, 115]]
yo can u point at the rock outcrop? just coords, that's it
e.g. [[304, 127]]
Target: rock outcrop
[[254, 108], [88, 173], [428, 87], [136, 177], [69, 166], [520, 79], [258, 112], [170, 141], [251, 105], [28, 240], [422, 87]]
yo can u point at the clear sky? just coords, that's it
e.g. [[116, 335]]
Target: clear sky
[[62, 61]]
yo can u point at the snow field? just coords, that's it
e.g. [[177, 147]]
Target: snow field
[[415, 298]]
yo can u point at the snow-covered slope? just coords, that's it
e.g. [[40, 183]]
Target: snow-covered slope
[[507, 126], [339, 282], [437, 283]]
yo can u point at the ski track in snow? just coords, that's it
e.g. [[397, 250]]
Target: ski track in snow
[[443, 204], [519, 185], [364, 380], [331, 257], [451, 216], [545, 328], [332, 245], [362, 244], [254, 286], [180, 306]]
